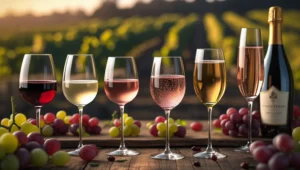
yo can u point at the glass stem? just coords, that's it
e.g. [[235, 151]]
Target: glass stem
[[250, 104], [209, 143], [122, 144], [167, 149], [80, 108], [38, 113]]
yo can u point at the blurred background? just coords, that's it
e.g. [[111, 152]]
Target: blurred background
[[139, 28]]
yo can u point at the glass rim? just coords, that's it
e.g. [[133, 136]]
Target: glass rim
[[167, 57], [38, 54], [120, 57], [209, 49], [79, 54], [250, 28]]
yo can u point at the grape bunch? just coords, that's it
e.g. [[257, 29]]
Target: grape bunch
[[236, 122], [158, 128], [131, 127], [284, 153], [19, 150]]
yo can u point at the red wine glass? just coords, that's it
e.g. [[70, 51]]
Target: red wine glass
[[167, 88], [37, 81], [121, 86]]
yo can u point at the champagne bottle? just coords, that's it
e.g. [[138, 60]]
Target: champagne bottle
[[277, 94]]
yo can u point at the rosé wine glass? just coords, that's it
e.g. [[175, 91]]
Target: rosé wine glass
[[167, 88], [121, 86]]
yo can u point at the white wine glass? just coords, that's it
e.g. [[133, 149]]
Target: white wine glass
[[121, 85], [79, 85], [209, 80], [167, 88], [250, 72]]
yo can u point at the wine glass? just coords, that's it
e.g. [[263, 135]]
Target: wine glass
[[79, 85], [121, 86], [209, 80], [167, 88], [37, 81], [250, 72]]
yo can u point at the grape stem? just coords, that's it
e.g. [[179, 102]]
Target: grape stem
[[13, 111]]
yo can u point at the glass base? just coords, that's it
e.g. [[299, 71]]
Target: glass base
[[168, 156], [74, 153], [123, 152], [207, 154], [245, 149]]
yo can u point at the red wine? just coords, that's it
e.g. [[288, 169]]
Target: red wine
[[121, 91], [167, 91], [277, 95], [38, 92]]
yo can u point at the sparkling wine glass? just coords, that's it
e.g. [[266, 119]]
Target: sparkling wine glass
[[250, 72], [79, 85], [121, 86], [167, 88], [209, 80], [37, 81]]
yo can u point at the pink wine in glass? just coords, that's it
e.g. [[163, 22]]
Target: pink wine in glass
[[167, 90], [121, 91], [38, 92]]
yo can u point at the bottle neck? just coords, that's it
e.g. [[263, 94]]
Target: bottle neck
[[275, 33]]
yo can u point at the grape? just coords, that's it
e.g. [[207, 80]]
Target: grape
[[295, 160], [223, 117], [161, 127], [262, 154], [153, 130], [230, 111], [296, 111], [28, 128], [243, 130], [246, 119], [96, 130], [279, 161], [24, 157], [125, 115], [63, 130], [117, 123], [87, 153], [296, 134], [243, 111], [233, 133], [4, 122], [171, 121], [58, 123], [38, 157], [225, 131], [21, 136], [61, 114], [295, 124], [127, 130], [75, 118], [223, 122], [32, 121], [217, 123], [135, 130], [3, 130], [272, 149], [9, 142], [256, 144], [161, 134], [42, 122], [10, 162], [138, 123], [149, 124], [32, 145], [47, 130], [181, 122], [173, 128], [2, 153], [159, 119], [196, 126], [114, 131], [262, 166], [20, 118], [67, 119], [85, 119], [283, 142], [37, 137], [60, 158], [297, 146], [255, 124], [93, 122], [229, 125], [255, 133], [10, 122], [51, 146], [256, 115], [129, 121], [236, 118], [49, 118], [73, 129], [181, 131]]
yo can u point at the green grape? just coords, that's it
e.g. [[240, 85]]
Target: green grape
[[296, 134], [135, 130], [9, 142], [125, 115], [2, 153], [161, 127], [127, 130], [20, 118], [3, 130], [47, 131], [83, 131], [14, 128], [10, 162], [67, 119], [162, 134], [42, 123], [85, 134], [11, 116], [173, 128], [181, 122], [4, 122], [38, 157], [28, 128], [60, 158], [114, 131], [149, 124], [10, 122], [61, 114], [129, 121], [296, 146], [171, 121]]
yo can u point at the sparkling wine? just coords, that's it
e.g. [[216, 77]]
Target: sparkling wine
[[38, 92], [167, 90], [80, 92], [209, 81], [121, 91], [250, 71]]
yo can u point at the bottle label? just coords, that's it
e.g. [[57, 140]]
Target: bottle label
[[274, 106]]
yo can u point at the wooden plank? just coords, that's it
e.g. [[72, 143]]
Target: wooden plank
[[144, 160], [165, 164], [235, 158], [101, 159], [188, 161]]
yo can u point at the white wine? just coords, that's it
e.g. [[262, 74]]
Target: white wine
[[80, 92]]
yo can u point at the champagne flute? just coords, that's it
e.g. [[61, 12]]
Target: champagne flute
[[167, 88], [121, 86], [209, 80], [37, 82], [79, 85], [250, 72]]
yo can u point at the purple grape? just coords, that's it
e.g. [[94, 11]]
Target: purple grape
[[243, 130], [223, 122], [256, 144], [229, 125], [295, 160], [272, 149], [58, 124], [73, 129], [279, 161], [283, 142], [181, 132], [32, 145], [262, 154], [63, 130], [256, 115], [96, 130], [246, 119], [262, 166], [236, 118], [233, 133], [23, 156], [37, 137], [255, 124], [22, 138], [88, 129]]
